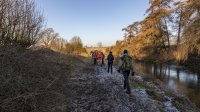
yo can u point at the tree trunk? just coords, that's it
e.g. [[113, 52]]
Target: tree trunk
[[166, 28], [179, 29]]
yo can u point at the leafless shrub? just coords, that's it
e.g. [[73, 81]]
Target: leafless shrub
[[20, 22]]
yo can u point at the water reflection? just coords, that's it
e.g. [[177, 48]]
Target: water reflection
[[175, 77]]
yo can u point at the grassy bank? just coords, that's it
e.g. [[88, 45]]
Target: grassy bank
[[34, 79]]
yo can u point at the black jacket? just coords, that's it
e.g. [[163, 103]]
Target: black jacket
[[110, 58]]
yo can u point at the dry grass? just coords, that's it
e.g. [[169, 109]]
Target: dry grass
[[181, 54], [34, 80]]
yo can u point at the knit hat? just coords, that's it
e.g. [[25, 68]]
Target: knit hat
[[125, 51]]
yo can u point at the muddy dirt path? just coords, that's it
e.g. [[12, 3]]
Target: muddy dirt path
[[96, 90]]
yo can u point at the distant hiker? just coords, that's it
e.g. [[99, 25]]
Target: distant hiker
[[99, 56], [110, 59], [126, 67], [103, 56], [94, 56]]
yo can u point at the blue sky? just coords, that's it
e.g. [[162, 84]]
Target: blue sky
[[93, 20]]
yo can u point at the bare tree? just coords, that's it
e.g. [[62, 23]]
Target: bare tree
[[47, 36], [20, 22], [76, 44]]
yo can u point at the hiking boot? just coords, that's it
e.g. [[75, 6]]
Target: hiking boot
[[128, 92], [118, 71]]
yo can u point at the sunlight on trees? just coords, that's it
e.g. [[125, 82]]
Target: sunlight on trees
[[50, 39], [76, 44], [166, 22]]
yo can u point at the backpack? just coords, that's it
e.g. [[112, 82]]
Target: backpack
[[110, 58], [94, 56], [127, 63]]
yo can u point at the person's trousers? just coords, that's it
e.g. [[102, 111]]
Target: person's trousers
[[110, 67], [95, 61], [126, 80], [102, 62]]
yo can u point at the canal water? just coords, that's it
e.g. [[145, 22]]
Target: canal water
[[175, 77]]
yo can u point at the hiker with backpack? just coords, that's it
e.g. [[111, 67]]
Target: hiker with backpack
[[99, 57], [110, 59], [126, 69], [94, 56]]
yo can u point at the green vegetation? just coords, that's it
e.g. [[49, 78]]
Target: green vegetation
[[182, 103], [136, 85], [156, 95]]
